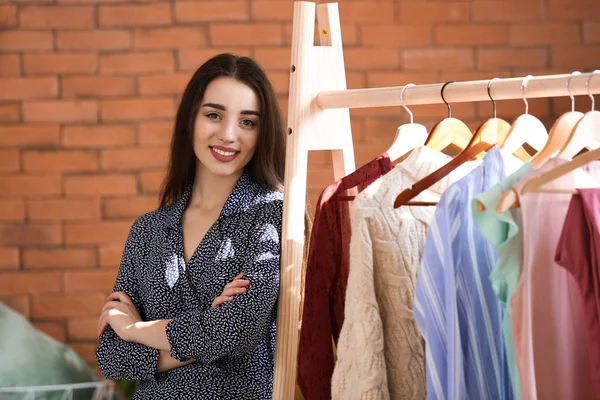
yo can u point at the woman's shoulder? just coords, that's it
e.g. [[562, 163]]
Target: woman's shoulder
[[153, 221], [266, 201]]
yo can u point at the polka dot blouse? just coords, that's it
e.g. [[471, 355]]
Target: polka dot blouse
[[233, 344]]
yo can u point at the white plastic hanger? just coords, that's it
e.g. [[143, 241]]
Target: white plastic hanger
[[582, 134], [526, 129], [408, 136]]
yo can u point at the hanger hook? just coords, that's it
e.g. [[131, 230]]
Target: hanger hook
[[523, 85], [444, 100], [587, 86], [490, 94], [569, 89], [402, 100]]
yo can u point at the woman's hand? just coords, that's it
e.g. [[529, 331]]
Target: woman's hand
[[237, 286], [120, 313]]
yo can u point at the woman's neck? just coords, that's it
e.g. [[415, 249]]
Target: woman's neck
[[211, 191]]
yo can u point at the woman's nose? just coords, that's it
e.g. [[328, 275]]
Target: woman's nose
[[228, 133]]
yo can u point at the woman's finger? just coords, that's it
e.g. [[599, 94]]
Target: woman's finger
[[120, 296], [233, 291], [220, 300], [238, 283]]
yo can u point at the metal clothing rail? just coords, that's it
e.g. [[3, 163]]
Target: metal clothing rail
[[319, 119]]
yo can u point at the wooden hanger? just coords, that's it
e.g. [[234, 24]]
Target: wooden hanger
[[408, 136], [581, 136], [525, 129], [449, 131]]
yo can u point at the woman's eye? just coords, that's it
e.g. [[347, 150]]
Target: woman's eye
[[248, 123], [212, 115]]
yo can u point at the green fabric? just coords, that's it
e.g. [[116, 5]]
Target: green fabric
[[501, 231], [32, 358]]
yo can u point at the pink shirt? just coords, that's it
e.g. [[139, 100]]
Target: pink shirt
[[549, 334]]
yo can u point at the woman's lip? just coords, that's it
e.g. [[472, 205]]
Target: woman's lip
[[227, 149]]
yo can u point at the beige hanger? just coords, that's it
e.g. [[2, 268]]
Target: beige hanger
[[408, 136], [526, 129], [581, 134], [449, 131]]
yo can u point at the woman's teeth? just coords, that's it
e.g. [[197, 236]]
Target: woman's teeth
[[224, 153]]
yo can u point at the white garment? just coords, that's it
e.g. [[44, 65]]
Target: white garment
[[380, 350]]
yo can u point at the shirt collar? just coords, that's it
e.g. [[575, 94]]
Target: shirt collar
[[240, 199]]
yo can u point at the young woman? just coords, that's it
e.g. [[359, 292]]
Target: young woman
[[192, 315]]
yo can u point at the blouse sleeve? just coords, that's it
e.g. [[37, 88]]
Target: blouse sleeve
[[116, 358], [238, 326]]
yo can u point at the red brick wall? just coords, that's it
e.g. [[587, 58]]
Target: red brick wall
[[88, 90]]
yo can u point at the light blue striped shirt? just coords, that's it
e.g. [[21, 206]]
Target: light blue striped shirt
[[456, 310]]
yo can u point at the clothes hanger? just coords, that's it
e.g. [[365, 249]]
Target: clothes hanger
[[408, 136], [526, 129], [510, 198], [561, 132], [581, 134], [449, 130]]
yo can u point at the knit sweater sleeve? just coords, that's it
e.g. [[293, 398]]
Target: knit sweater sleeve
[[360, 370]]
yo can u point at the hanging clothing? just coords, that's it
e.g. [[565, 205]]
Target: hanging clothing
[[578, 251], [380, 350], [326, 280], [455, 306], [549, 336], [502, 231]]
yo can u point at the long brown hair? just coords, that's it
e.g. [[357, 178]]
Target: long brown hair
[[266, 166]]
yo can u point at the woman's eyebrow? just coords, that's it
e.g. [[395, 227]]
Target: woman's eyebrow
[[223, 108]]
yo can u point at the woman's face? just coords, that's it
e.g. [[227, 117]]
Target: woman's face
[[226, 127]]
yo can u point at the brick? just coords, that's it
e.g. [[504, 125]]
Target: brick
[[191, 59], [369, 59], [382, 79], [100, 185], [28, 88], [30, 283], [56, 17], [366, 11], [8, 15], [246, 34], [492, 59], [465, 35], [210, 11], [96, 233], [354, 80], [67, 305], [151, 181], [169, 38], [508, 11], [11, 210], [82, 328], [10, 112], [60, 161], [271, 10], [61, 111], [275, 57], [9, 258], [110, 256], [461, 76], [98, 136], [163, 84], [97, 86], [29, 135], [55, 63], [94, 40], [395, 36], [544, 33], [87, 351], [89, 281], [591, 32], [577, 57], [134, 159], [22, 40], [574, 10], [10, 65], [9, 160], [20, 303], [64, 209], [135, 15], [155, 133], [134, 109], [55, 330], [29, 185], [438, 59], [133, 63], [58, 258], [434, 11], [130, 207], [280, 81], [30, 234]]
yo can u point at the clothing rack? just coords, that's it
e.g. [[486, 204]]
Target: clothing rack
[[319, 119]]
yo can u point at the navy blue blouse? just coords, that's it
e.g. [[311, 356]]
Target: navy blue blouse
[[233, 344]]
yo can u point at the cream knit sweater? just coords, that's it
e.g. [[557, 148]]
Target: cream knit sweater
[[380, 350]]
